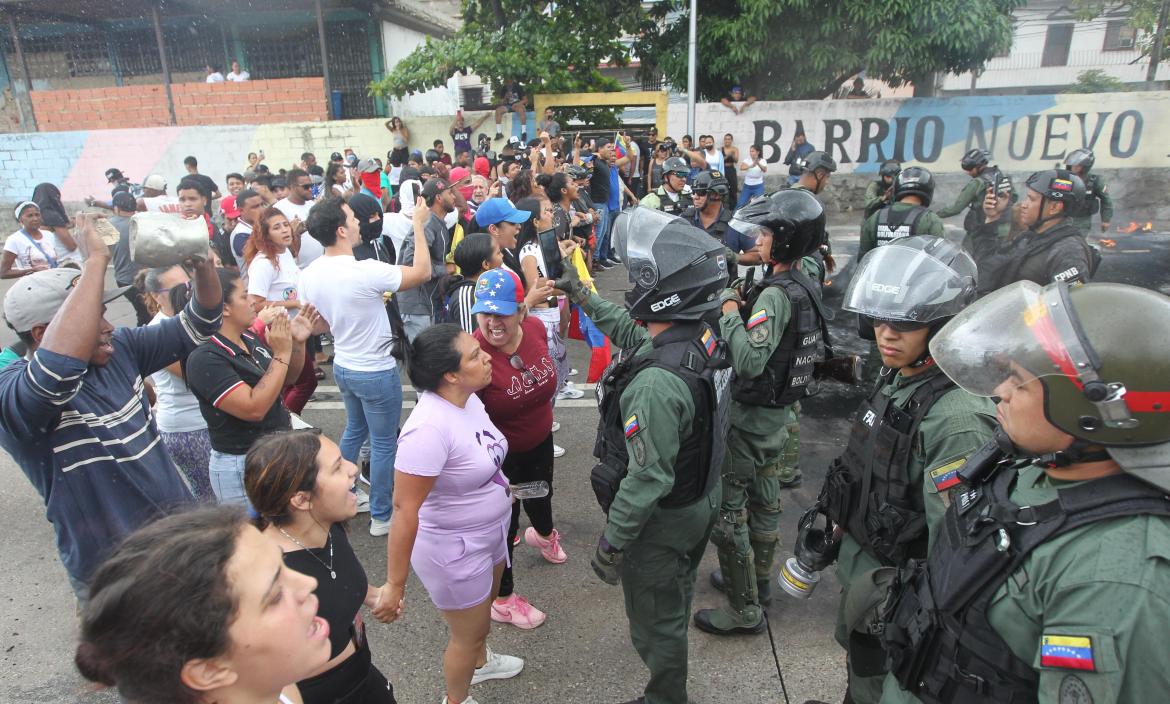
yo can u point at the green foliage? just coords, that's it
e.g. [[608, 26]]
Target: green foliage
[[805, 49], [1097, 81], [504, 39], [1143, 16]]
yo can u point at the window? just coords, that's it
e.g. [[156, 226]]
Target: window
[[1119, 36], [1056, 45]]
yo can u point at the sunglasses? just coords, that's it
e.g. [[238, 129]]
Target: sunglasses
[[896, 325], [699, 191], [518, 364]]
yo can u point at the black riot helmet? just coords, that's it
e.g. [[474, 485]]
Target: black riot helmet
[[710, 181], [794, 217], [676, 165], [889, 168], [1080, 157], [975, 158], [916, 181], [818, 160], [677, 269], [577, 172], [1059, 185]]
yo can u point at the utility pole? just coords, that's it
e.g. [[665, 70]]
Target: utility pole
[[1159, 43], [692, 45]]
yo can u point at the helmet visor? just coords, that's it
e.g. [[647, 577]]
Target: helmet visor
[[999, 343], [635, 232], [900, 283]]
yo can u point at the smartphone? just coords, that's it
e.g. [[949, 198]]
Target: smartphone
[[551, 252], [261, 152]]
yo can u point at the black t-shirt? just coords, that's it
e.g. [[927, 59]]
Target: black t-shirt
[[510, 95], [338, 600], [218, 367], [599, 181], [205, 180]]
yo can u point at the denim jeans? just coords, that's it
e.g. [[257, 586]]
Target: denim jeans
[[227, 478], [749, 192], [603, 228], [373, 405]]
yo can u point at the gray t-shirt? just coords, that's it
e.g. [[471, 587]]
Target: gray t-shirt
[[124, 268], [423, 300]]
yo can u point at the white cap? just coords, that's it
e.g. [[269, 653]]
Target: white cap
[[155, 181]]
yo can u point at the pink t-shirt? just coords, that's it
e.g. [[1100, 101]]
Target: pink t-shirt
[[464, 450]]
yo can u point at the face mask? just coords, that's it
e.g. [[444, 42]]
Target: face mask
[[451, 218]]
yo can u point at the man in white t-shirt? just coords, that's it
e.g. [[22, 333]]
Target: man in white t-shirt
[[213, 74], [154, 196], [237, 74], [296, 207], [349, 294]]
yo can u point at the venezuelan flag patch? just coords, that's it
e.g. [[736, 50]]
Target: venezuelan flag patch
[[1062, 184], [758, 317], [947, 476], [1067, 652], [632, 426], [709, 342]]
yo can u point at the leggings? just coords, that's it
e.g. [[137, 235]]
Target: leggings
[[528, 466]]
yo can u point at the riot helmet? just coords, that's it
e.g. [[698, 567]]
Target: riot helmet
[[576, 173], [676, 165], [1058, 185], [916, 280], [1105, 375], [432, 156], [676, 269], [794, 217], [889, 168], [1080, 157], [974, 158], [914, 181], [818, 160], [710, 181]]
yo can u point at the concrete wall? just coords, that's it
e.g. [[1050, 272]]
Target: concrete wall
[[399, 42], [261, 101]]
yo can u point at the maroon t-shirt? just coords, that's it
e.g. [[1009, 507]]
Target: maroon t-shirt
[[520, 404]]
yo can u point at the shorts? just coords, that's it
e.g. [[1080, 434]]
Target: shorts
[[457, 569]]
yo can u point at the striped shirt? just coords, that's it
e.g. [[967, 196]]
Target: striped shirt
[[85, 436]]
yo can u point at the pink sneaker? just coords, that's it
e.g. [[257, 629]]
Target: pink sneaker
[[550, 548], [516, 610]]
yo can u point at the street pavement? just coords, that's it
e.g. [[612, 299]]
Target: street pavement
[[582, 653]]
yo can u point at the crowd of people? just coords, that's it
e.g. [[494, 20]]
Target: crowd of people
[[197, 512]]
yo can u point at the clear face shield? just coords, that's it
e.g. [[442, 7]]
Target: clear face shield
[[901, 283], [635, 231]]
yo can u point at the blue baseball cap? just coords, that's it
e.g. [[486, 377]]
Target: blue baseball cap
[[498, 291], [497, 210]]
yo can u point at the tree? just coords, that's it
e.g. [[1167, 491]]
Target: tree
[[805, 49], [554, 50], [1097, 81]]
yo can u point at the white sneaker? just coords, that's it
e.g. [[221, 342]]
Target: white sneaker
[[378, 528], [556, 426], [570, 392], [558, 451], [497, 667], [572, 372], [363, 501]]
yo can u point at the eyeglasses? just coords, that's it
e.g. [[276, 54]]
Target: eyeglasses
[[518, 365], [896, 325], [699, 192]]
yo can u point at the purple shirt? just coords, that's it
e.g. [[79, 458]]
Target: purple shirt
[[464, 451]]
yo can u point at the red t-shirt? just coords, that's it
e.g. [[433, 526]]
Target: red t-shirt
[[521, 408]]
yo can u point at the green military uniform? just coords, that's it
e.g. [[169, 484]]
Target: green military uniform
[[971, 196], [927, 224], [954, 427], [660, 199], [662, 547], [1106, 583], [1097, 199], [875, 194]]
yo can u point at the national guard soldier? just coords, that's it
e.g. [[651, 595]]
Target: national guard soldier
[[1049, 578], [1049, 248], [774, 336], [908, 216], [890, 487], [879, 193], [663, 431], [1097, 198], [974, 162], [673, 196]]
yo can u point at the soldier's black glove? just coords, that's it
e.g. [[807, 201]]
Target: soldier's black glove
[[607, 562], [732, 259]]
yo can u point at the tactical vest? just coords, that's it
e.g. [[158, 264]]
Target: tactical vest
[[718, 228], [892, 227], [789, 371], [868, 489], [694, 353], [1090, 205], [1008, 263], [670, 206], [938, 640]]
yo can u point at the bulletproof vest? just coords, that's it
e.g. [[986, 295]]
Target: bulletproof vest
[[1025, 258], [1091, 203], [868, 488], [670, 206], [938, 640], [788, 372], [694, 353], [894, 226]]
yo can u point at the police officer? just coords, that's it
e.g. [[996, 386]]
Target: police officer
[[1048, 578], [1097, 198], [774, 336], [890, 487], [908, 216], [662, 435], [879, 193], [1050, 248], [673, 196], [974, 162]]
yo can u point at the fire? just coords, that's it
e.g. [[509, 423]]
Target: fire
[[1149, 226]]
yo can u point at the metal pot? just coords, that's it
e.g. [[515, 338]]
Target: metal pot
[[165, 239]]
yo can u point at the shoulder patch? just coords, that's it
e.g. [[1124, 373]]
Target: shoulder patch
[[760, 316], [632, 427], [708, 341], [947, 475], [759, 335], [1073, 690], [1067, 652]]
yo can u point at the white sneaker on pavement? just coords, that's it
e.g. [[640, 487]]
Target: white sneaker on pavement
[[363, 505], [378, 528], [556, 426], [497, 667], [558, 451], [570, 392]]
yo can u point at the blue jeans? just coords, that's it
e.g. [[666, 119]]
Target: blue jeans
[[227, 478], [373, 405], [749, 192], [603, 228]]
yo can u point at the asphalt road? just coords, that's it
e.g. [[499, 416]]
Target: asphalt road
[[582, 653]]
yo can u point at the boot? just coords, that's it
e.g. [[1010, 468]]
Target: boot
[[763, 587], [743, 614]]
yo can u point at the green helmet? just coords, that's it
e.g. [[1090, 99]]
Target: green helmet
[[676, 165], [1099, 350]]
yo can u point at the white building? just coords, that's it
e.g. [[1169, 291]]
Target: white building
[[1050, 48]]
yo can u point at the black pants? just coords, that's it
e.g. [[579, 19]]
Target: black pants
[[354, 681], [529, 466]]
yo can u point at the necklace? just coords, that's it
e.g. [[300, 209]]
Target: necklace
[[302, 546]]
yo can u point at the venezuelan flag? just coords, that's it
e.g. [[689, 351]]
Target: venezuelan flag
[[1068, 652], [758, 317], [709, 342], [632, 425], [947, 475]]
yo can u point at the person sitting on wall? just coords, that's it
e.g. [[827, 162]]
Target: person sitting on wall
[[737, 100]]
